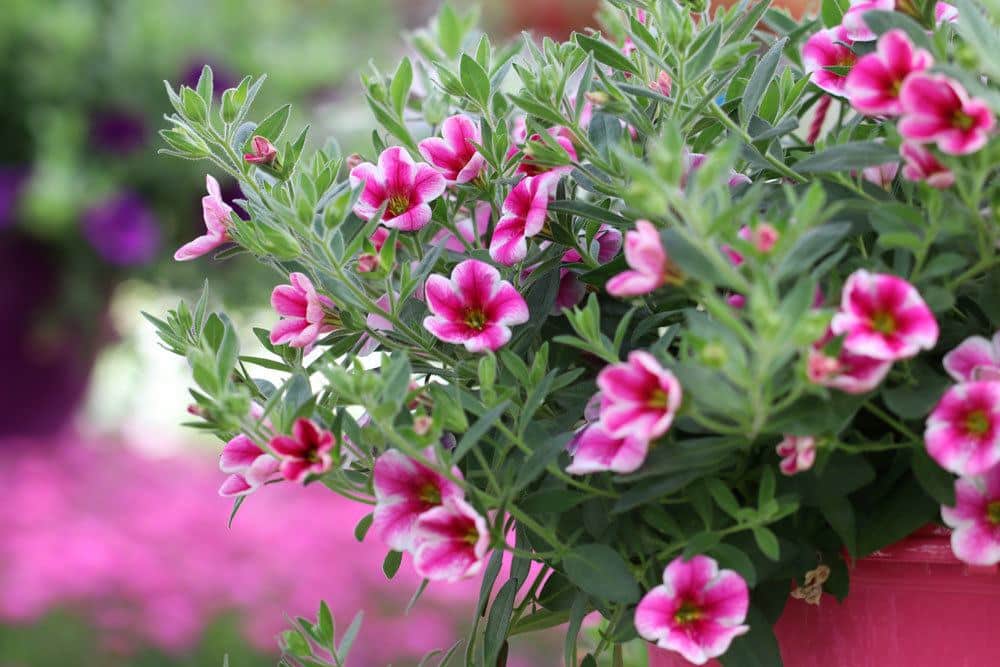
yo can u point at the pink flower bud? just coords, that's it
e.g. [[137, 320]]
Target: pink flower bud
[[422, 425], [367, 263], [764, 238], [663, 83], [264, 151], [353, 160]]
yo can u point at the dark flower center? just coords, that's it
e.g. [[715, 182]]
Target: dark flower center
[[962, 120], [398, 204], [993, 512], [430, 494], [688, 613], [884, 322], [475, 318], [657, 399], [977, 422]]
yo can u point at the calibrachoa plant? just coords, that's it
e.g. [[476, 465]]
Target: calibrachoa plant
[[676, 311]]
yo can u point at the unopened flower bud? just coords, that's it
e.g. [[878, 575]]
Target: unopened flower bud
[[714, 355], [264, 151], [422, 425], [353, 160], [196, 410], [764, 238], [663, 83], [367, 263]]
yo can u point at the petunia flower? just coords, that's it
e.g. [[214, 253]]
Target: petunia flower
[[249, 467], [922, 165], [405, 187], [874, 83], [307, 451], [698, 610], [596, 451], [850, 373], [474, 308], [938, 109], [216, 214], [451, 541], [797, 452], [529, 167], [471, 228], [853, 21], [649, 266], [524, 212], [963, 430], [639, 397], [307, 315], [975, 519], [405, 489], [264, 151], [828, 48], [883, 317], [454, 154], [974, 359]]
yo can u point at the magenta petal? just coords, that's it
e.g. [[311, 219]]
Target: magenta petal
[[198, 247], [652, 613], [508, 245], [287, 331], [238, 454], [235, 486]]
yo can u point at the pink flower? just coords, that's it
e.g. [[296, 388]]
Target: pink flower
[[524, 212], [848, 372], [697, 611], [975, 518], [471, 229], [650, 268], [308, 451], [216, 214], [883, 317], [974, 359], [571, 290], [595, 451], [921, 165], [639, 398], [563, 137], [881, 175], [693, 162], [452, 541], [376, 320], [307, 314], [249, 467], [828, 48], [853, 21], [663, 84], [875, 81], [798, 453], [379, 237], [405, 489], [405, 187], [945, 13], [937, 109], [963, 431], [264, 151], [454, 154], [474, 308]]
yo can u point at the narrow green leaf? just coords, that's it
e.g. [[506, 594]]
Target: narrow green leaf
[[498, 622], [478, 430], [399, 89], [390, 566], [361, 529], [272, 126], [475, 80], [762, 75], [605, 53]]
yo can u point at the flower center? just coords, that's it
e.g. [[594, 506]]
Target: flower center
[[884, 322], [430, 494], [688, 613], [657, 399], [993, 512], [472, 536], [977, 423], [962, 120], [475, 318], [398, 204]]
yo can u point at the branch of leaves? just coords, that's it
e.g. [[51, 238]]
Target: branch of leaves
[[313, 644], [586, 322]]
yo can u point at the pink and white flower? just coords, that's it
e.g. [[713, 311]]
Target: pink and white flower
[[828, 48], [404, 490], [264, 151], [974, 359], [307, 315], [945, 13], [698, 610], [376, 320], [853, 20], [452, 541], [850, 373], [938, 109], [249, 467], [883, 317], [649, 266], [475, 308], [975, 519], [921, 165], [405, 187], [963, 431], [875, 81], [307, 451], [524, 212], [596, 451], [529, 167], [639, 397], [881, 175], [216, 214], [471, 228], [797, 452], [454, 154]]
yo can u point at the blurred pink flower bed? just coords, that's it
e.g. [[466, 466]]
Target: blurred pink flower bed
[[141, 548]]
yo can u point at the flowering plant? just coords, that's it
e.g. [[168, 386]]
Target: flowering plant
[[654, 309]]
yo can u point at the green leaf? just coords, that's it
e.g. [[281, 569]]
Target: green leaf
[[839, 513], [399, 89], [591, 212], [449, 30], [361, 529], [882, 22], [489, 578], [934, 479], [605, 53], [601, 572], [324, 623], [758, 647], [831, 12], [980, 34], [767, 541], [498, 622], [655, 489], [847, 156], [478, 430], [733, 558], [475, 80], [390, 566], [811, 247], [694, 262], [705, 54], [906, 508], [545, 453], [700, 543], [205, 87], [723, 497], [272, 126], [762, 75], [577, 613], [347, 640]]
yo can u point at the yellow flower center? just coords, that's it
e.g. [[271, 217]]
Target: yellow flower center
[[977, 423], [657, 399], [472, 536], [475, 318], [993, 512], [398, 204], [884, 322], [962, 120], [688, 613], [430, 494]]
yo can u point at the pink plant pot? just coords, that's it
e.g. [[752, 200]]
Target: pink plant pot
[[912, 604]]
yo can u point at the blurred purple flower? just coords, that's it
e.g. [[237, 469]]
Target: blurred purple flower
[[12, 180], [122, 229], [222, 77], [117, 131]]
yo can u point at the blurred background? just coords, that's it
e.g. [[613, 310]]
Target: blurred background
[[114, 549]]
